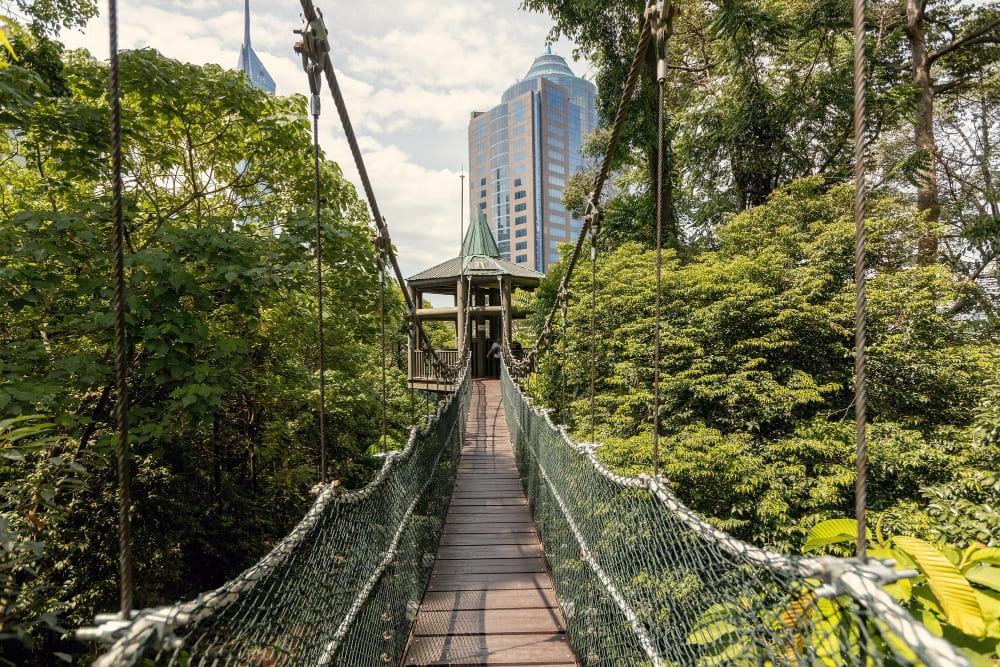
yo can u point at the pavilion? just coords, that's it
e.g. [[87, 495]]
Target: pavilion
[[482, 279]]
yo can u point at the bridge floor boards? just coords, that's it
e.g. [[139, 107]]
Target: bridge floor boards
[[490, 599]]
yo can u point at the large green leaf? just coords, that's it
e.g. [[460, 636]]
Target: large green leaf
[[3, 37], [953, 591], [984, 575], [832, 531], [985, 555]]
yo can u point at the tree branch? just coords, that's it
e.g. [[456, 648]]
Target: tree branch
[[973, 36]]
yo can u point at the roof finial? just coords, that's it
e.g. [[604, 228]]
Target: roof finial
[[548, 48]]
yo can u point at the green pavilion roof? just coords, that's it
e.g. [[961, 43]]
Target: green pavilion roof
[[481, 258], [479, 239]]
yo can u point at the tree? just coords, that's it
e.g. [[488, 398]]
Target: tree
[[221, 299], [942, 48], [756, 364]]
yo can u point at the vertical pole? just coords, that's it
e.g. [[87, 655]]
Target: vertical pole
[[126, 584], [860, 262], [460, 321]]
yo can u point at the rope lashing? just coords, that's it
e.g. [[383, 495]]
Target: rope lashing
[[860, 263], [126, 582]]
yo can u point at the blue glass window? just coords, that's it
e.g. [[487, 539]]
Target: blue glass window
[[519, 233], [521, 245], [520, 259]]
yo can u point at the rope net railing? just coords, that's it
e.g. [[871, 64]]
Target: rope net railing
[[642, 580], [341, 589]]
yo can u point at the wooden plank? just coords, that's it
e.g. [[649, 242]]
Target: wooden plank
[[478, 539], [490, 529], [521, 649], [531, 550], [489, 565], [489, 599], [495, 581], [489, 519], [494, 511], [478, 501], [488, 621]]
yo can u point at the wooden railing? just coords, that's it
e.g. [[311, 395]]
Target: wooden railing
[[422, 364]]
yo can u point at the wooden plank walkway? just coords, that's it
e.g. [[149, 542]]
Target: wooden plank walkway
[[490, 599]]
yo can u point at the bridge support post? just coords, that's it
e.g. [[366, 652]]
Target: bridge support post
[[460, 333], [411, 339], [506, 315]]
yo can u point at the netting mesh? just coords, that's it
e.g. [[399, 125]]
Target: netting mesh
[[643, 581], [341, 589]]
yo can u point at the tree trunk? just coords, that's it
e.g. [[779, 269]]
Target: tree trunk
[[927, 185]]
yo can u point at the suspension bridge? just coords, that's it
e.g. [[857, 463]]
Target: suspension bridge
[[493, 537]]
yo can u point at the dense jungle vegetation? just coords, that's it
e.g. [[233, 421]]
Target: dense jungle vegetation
[[222, 303], [758, 292], [757, 419]]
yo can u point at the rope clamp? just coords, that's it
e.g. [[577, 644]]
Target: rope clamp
[[314, 47], [663, 15]]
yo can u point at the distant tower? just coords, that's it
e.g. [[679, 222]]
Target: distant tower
[[249, 62], [521, 154]]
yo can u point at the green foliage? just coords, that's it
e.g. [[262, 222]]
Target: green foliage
[[756, 367], [39, 472], [221, 303], [956, 592]]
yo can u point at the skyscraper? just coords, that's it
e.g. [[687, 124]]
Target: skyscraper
[[521, 153], [249, 62]]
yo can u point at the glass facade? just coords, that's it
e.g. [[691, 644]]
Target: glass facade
[[546, 116]]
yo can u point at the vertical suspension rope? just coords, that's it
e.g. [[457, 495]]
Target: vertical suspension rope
[[562, 367], [659, 272], [319, 297], [665, 14], [860, 267], [126, 583], [381, 310], [593, 325]]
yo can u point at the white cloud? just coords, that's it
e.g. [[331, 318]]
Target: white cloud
[[410, 71]]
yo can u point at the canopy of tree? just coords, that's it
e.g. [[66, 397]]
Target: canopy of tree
[[221, 303]]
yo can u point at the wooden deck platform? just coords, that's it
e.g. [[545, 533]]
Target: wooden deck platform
[[490, 599]]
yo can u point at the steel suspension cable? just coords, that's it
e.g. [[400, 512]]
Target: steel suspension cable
[[602, 174], [126, 583], [322, 58], [319, 297], [860, 269]]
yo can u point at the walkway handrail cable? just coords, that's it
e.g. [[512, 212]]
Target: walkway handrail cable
[[632, 533], [165, 632]]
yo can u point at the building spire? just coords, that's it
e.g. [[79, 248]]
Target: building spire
[[249, 62], [246, 25]]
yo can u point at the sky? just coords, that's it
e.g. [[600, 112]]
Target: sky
[[411, 73]]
